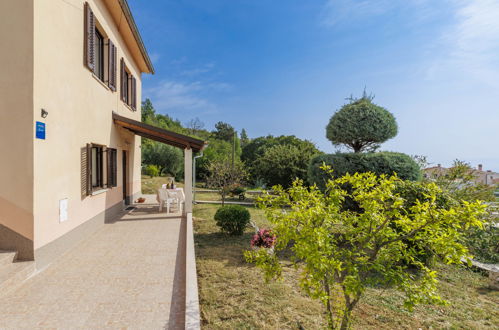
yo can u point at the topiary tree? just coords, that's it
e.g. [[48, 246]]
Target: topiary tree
[[361, 125]]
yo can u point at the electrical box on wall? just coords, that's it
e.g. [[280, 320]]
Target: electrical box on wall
[[63, 210]]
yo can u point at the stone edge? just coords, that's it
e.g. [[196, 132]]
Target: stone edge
[[192, 315]]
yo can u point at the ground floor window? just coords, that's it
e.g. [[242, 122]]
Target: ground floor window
[[101, 167]]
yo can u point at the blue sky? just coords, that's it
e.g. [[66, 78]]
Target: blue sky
[[285, 66]]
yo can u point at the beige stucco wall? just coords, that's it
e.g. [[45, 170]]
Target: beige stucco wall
[[80, 109], [16, 117]]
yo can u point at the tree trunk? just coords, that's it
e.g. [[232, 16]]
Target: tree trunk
[[345, 321], [329, 312], [347, 313]]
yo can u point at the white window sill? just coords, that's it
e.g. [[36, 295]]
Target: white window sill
[[127, 105], [100, 191], [101, 82]]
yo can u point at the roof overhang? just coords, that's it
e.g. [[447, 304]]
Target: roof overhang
[[122, 16], [159, 134]]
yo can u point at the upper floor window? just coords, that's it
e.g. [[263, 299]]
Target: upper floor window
[[99, 55], [128, 86], [100, 52]]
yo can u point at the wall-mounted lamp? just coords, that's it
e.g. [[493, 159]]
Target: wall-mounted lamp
[[45, 113]]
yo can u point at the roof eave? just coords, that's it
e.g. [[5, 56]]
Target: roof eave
[[131, 22]]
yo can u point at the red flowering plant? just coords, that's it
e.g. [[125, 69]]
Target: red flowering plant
[[264, 238]]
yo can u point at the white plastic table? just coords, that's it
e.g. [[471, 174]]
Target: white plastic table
[[170, 196]]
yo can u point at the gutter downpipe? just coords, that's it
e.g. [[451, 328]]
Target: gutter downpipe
[[194, 176]]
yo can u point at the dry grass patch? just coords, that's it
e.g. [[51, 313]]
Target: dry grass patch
[[233, 294]]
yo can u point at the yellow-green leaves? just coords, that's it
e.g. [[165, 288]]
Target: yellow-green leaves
[[365, 230]]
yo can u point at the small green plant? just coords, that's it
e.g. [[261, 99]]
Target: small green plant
[[232, 219], [152, 170]]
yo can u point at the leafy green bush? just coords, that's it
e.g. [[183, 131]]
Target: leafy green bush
[[151, 170], [274, 160], [377, 162], [232, 219], [483, 243]]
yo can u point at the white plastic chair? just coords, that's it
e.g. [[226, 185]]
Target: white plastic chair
[[176, 196]]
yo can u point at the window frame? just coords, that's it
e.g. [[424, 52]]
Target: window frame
[[99, 171], [100, 55]]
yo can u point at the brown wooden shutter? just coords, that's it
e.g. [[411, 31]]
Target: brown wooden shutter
[[134, 93], [122, 79], [112, 168], [89, 38], [112, 66], [89, 169]]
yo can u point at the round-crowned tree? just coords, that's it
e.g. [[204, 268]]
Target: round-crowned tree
[[361, 125]]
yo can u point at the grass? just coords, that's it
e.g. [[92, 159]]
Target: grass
[[151, 185], [233, 294]]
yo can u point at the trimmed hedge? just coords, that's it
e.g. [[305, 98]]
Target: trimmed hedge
[[232, 219], [384, 162]]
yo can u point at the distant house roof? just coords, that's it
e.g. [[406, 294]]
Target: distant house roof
[[122, 16], [159, 134]]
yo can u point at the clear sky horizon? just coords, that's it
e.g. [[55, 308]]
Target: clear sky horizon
[[284, 67]]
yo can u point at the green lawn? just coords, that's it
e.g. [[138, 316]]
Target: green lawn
[[150, 186], [233, 294]]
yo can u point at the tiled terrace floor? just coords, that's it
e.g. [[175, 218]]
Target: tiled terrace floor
[[125, 276]]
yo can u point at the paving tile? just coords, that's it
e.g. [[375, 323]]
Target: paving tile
[[121, 277]]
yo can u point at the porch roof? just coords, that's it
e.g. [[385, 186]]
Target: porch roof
[[159, 134]]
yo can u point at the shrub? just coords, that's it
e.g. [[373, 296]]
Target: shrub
[[263, 238], [361, 125], [377, 162], [152, 170], [237, 189], [232, 219]]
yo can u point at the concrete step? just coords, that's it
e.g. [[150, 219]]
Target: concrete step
[[14, 274], [7, 257]]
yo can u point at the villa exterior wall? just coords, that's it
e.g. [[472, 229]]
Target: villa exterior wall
[[16, 127], [80, 110]]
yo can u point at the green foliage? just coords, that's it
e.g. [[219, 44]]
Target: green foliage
[[225, 176], [460, 183], [361, 125], [244, 138], [218, 150], [377, 162], [232, 219], [256, 148], [151, 170], [341, 253], [168, 159], [483, 243], [282, 164], [224, 132]]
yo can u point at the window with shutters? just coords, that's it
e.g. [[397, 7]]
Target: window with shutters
[[101, 168], [100, 52], [128, 86]]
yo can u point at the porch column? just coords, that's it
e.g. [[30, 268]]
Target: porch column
[[188, 179]]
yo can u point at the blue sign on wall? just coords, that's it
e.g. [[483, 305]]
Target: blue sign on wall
[[40, 130]]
